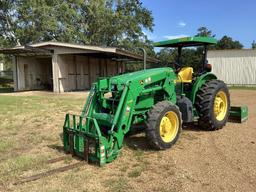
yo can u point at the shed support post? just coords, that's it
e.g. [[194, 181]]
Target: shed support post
[[15, 73], [55, 73]]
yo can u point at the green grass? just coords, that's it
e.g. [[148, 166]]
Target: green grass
[[117, 185], [136, 172], [6, 89], [29, 125], [5, 145], [30, 133], [140, 166], [242, 87], [13, 167]]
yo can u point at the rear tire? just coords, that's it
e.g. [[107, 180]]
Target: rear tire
[[164, 125], [213, 105]]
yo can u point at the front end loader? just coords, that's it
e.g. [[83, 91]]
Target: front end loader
[[161, 98], [113, 105]]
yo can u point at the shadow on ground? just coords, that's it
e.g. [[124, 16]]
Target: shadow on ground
[[136, 139], [57, 148]]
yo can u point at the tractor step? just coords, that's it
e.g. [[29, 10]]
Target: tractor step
[[238, 114]]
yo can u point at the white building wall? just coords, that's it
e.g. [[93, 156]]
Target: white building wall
[[78, 72], [32, 73], [69, 72], [72, 73], [235, 67]]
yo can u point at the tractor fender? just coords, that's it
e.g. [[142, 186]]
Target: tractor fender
[[200, 81]]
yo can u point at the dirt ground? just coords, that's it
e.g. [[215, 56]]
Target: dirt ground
[[31, 124]]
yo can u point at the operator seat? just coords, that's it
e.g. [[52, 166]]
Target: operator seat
[[185, 75]]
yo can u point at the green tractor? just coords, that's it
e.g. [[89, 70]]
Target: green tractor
[[161, 98]]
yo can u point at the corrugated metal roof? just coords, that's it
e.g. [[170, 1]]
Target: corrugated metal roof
[[48, 47]]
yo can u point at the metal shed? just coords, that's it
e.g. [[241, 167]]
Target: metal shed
[[235, 67], [62, 67]]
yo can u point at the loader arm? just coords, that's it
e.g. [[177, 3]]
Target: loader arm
[[113, 105]]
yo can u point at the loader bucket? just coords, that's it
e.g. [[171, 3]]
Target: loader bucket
[[238, 114]]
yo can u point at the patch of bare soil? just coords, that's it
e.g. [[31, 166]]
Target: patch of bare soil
[[222, 160]]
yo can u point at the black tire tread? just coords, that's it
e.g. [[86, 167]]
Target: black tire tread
[[204, 103], [153, 116]]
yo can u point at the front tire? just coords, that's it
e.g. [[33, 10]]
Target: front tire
[[213, 105], [164, 125]]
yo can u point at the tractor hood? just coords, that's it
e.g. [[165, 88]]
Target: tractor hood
[[140, 75]]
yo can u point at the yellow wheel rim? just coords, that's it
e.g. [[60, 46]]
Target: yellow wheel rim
[[169, 126], [220, 105]]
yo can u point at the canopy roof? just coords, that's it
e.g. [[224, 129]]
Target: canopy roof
[[186, 42]]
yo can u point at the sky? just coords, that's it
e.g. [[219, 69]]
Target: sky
[[179, 18]]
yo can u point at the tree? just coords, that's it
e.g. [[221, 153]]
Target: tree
[[116, 23], [204, 32], [96, 22], [189, 57], [24, 22], [6, 23], [228, 43], [166, 57], [193, 57], [253, 45]]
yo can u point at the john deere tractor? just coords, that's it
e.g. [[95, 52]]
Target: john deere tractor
[[161, 98]]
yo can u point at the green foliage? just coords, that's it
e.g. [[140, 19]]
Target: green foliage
[[6, 90], [6, 82], [134, 66], [228, 43], [193, 57], [253, 45], [204, 32], [167, 57], [97, 22], [6, 23], [117, 23], [189, 57], [7, 61], [224, 43]]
